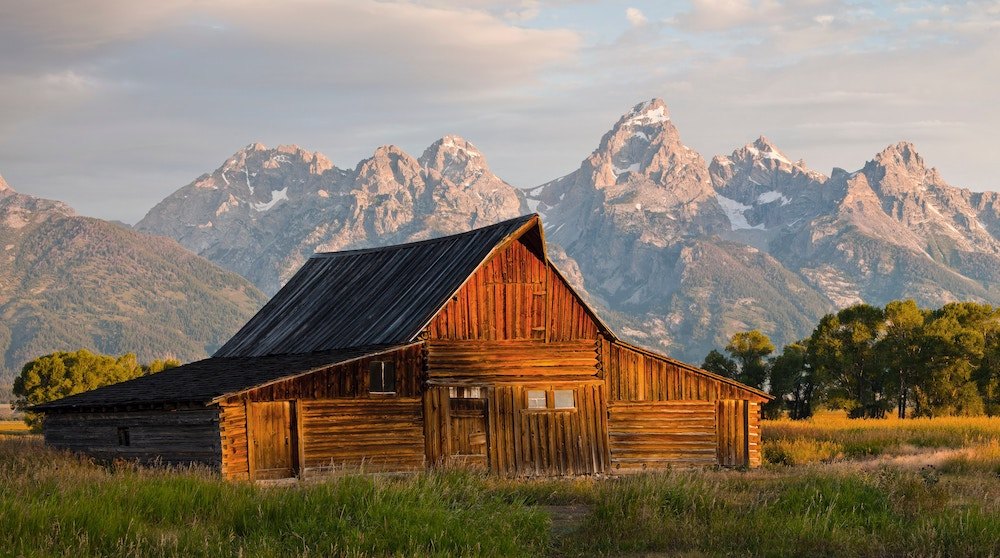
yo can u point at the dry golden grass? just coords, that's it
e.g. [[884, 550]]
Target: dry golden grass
[[831, 436], [13, 428]]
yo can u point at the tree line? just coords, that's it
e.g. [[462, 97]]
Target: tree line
[[873, 361], [59, 374]]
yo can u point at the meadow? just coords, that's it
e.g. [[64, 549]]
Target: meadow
[[830, 487]]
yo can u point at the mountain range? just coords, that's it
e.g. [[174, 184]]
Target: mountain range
[[68, 282], [677, 252]]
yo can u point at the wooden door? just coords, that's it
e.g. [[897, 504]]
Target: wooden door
[[272, 447], [733, 433], [468, 432]]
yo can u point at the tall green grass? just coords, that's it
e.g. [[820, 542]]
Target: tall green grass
[[55, 504], [52, 504]]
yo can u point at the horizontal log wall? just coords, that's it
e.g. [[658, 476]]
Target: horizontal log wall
[[483, 362], [169, 437], [233, 430], [345, 380], [661, 434], [384, 434], [529, 442], [633, 375]]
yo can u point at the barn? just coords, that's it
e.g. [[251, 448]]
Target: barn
[[468, 350]]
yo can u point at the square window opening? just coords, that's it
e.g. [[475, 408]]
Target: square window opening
[[382, 377], [536, 399], [564, 399]]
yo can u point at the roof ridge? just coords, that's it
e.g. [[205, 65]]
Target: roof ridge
[[405, 245]]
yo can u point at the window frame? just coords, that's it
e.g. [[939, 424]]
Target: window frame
[[550, 400], [383, 364]]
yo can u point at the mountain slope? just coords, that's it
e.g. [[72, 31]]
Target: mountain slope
[[68, 282], [265, 211]]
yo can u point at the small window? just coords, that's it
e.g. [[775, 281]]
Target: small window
[[564, 399], [465, 392], [536, 399], [382, 377], [123, 438]]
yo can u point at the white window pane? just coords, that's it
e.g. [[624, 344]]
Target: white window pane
[[564, 399], [536, 399]]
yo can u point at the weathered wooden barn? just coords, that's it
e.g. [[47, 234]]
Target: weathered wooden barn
[[467, 350]]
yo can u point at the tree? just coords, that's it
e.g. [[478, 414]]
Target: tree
[[902, 347], [720, 364], [750, 350], [60, 374], [955, 344], [843, 350], [793, 380]]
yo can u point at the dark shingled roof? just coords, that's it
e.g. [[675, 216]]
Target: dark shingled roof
[[378, 296], [202, 381]]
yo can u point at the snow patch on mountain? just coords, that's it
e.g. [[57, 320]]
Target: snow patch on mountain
[[735, 211]]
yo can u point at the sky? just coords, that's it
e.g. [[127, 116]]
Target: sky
[[111, 105]]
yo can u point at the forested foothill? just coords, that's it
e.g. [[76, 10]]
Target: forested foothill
[[871, 361]]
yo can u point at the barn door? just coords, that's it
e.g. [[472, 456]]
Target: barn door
[[732, 432], [468, 427], [272, 445]]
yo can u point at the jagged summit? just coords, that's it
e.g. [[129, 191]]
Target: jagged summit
[[653, 111], [4, 187], [903, 154]]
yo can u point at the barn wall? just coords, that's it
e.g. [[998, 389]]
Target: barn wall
[[656, 434], [514, 296], [738, 433], [640, 388], [528, 442], [385, 434], [154, 436], [633, 375], [346, 380], [332, 407], [518, 441], [484, 362]]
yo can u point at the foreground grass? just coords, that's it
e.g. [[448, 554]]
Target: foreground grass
[[53, 504]]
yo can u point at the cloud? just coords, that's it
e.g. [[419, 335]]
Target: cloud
[[635, 17]]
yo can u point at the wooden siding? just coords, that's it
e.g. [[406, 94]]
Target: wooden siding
[[569, 317], [346, 380], [634, 375], [376, 434], [527, 442], [328, 400], [485, 362], [738, 433], [154, 436], [516, 295], [659, 434], [235, 449]]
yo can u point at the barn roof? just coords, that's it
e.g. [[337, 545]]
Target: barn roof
[[375, 296], [202, 381]]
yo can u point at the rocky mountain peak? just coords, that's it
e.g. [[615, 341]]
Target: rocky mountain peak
[[903, 154], [653, 111], [454, 158], [4, 187]]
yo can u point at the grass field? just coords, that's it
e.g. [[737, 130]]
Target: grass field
[[870, 492]]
